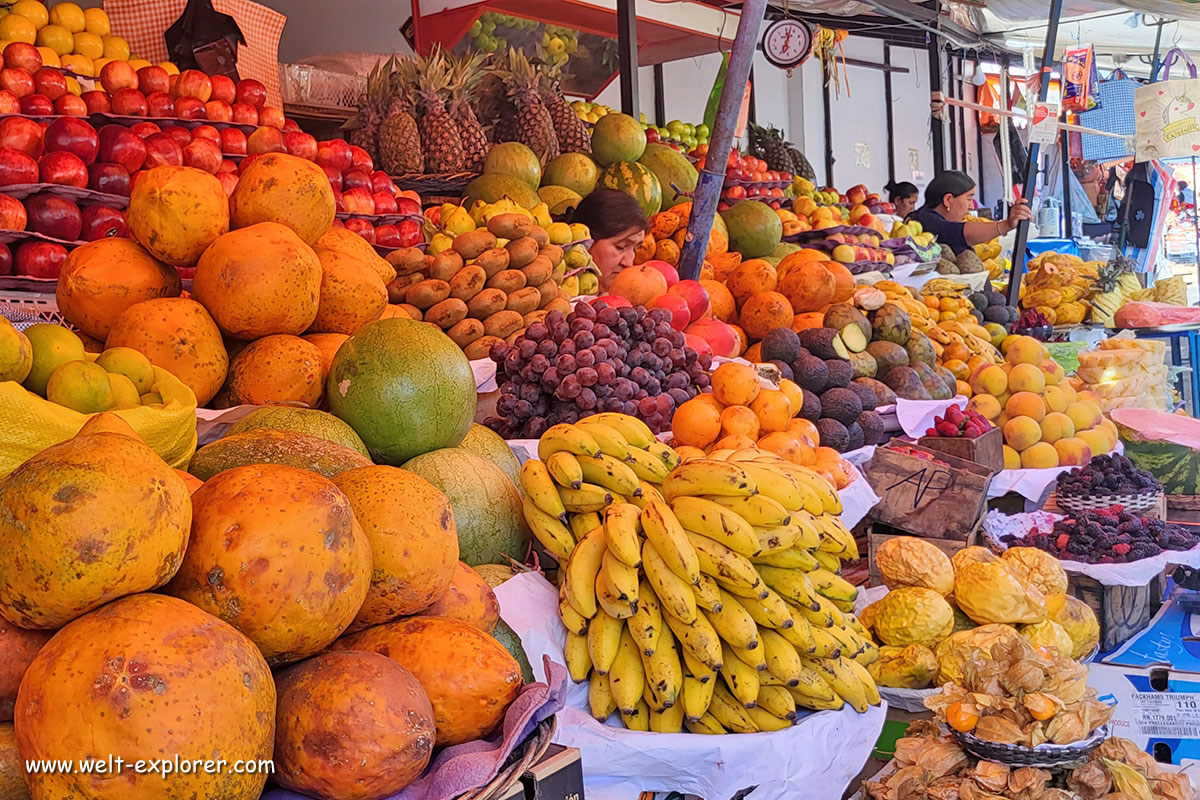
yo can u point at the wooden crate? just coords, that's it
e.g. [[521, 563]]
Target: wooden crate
[[1122, 611], [987, 450], [1184, 508], [941, 501], [878, 534]]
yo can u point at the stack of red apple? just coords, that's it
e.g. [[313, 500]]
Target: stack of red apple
[[747, 177], [361, 191]]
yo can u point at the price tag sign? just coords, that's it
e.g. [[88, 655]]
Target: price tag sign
[[1043, 128], [1168, 715]]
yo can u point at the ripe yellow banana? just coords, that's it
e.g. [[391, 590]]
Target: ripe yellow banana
[[843, 606], [539, 487], [699, 639], [826, 645], [843, 681], [707, 518], [695, 697], [827, 561], [583, 524], [608, 601], [731, 712], [770, 611], [603, 641], [664, 673], [646, 624], [572, 620], [836, 539], [614, 475], [810, 533], [575, 651], [728, 567], [765, 678], [800, 635], [772, 481], [819, 616], [627, 676], [674, 596], [721, 455], [692, 667], [600, 699], [706, 724], [638, 719], [827, 608], [663, 530], [550, 533], [620, 578], [851, 645], [767, 721], [792, 558], [707, 476], [622, 524], [579, 586], [568, 438], [757, 509], [831, 503], [776, 540], [670, 720], [869, 654], [588, 497], [646, 466], [776, 700], [664, 453], [755, 659], [791, 585], [733, 623], [649, 490], [782, 659], [611, 442], [748, 454], [833, 587], [865, 680], [564, 469], [811, 685], [813, 704], [631, 429], [708, 593]]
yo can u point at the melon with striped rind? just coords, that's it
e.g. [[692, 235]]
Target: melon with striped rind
[[677, 177], [636, 181], [486, 502], [273, 446], [617, 137], [754, 228], [1165, 445], [484, 441], [302, 420]]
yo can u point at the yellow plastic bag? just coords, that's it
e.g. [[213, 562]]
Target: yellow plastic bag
[[29, 424]]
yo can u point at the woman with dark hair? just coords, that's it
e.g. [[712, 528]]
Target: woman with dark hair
[[948, 199], [617, 225], [903, 196]]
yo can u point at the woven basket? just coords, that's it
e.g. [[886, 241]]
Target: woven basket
[[447, 184], [1045, 756], [523, 757], [1143, 501]]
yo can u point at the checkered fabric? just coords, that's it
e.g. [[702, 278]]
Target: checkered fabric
[[143, 22], [1113, 114]]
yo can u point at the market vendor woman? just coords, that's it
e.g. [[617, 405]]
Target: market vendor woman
[[618, 227], [948, 199]]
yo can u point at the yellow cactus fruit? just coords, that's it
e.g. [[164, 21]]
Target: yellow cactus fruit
[[969, 555], [912, 667], [1036, 567], [910, 561], [1048, 633], [992, 593], [913, 615], [1077, 619]]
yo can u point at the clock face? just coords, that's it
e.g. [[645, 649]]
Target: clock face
[[787, 43]]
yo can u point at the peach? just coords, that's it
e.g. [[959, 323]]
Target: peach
[[1001, 420], [1068, 389], [1025, 350], [1110, 427], [1090, 396], [989, 380], [1026, 378], [1022, 432], [963, 388], [1057, 426], [985, 404], [1053, 371], [1073, 452], [1083, 414], [1097, 440], [1026, 404], [1039, 456], [1056, 398], [1002, 399], [1012, 459]]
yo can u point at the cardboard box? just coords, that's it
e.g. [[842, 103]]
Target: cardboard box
[[941, 500], [1155, 707], [558, 776]]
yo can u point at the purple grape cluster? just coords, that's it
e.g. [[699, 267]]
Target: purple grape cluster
[[597, 358]]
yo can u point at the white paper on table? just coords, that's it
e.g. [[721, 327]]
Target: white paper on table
[[916, 416], [524, 449], [815, 759], [858, 498], [1134, 573], [860, 457], [1032, 484], [212, 424], [485, 375]]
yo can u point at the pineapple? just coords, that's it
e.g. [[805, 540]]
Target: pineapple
[[1115, 284], [768, 144], [399, 138], [363, 127], [533, 124], [465, 75], [440, 135], [570, 131]]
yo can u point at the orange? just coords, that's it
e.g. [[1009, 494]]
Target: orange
[[795, 395], [740, 420], [734, 441], [735, 384], [773, 409], [787, 446], [806, 429], [696, 423]]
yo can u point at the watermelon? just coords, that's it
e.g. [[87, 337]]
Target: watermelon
[[512, 643], [675, 173], [484, 441], [576, 171], [404, 387], [636, 181], [487, 504], [515, 160], [754, 228], [617, 137], [490, 188], [1165, 445]]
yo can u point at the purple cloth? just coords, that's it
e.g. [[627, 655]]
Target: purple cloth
[[463, 767]]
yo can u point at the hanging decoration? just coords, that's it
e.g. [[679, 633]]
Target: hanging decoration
[[828, 47], [1080, 79]]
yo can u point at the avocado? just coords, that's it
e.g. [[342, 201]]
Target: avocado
[[920, 349], [906, 383], [979, 300], [824, 343], [781, 344], [884, 396], [841, 404], [892, 324], [856, 436], [811, 373], [888, 355], [840, 373], [833, 434], [811, 410], [785, 369], [871, 425], [863, 365], [852, 324], [866, 395], [947, 378]]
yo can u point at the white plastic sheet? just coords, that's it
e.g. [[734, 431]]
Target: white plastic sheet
[[485, 375], [815, 759], [858, 498], [916, 416]]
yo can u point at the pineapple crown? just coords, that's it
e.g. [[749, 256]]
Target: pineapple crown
[[519, 73], [1110, 273]]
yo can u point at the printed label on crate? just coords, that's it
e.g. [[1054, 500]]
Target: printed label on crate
[[1165, 714], [1152, 719], [1163, 642]]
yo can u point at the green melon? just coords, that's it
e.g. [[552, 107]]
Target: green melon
[[485, 442], [512, 643], [754, 228], [490, 188], [404, 387], [636, 181], [273, 446], [617, 137], [676, 175], [515, 160], [486, 502], [560, 199], [304, 420], [575, 171]]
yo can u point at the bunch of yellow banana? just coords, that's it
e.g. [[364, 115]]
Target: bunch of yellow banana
[[712, 603], [583, 469]]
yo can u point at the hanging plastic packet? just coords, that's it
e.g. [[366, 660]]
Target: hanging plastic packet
[[1080, 79]]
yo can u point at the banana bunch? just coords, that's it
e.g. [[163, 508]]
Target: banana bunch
[[943, 287], [584, 468], [711, 602]]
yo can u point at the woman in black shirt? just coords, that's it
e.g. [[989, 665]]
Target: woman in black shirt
[[948, 199]]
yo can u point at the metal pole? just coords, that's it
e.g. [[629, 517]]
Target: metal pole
[[979, 141], [1018, 268], [1005, 92], [1195, 229], [712, 177], [660, 97], [1064, 147], [961, 88], [627, 55], [828, 123], [936, 127], [888, 112], [953, 112], [1157, 48]]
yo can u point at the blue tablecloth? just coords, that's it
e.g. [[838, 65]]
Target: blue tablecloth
[[1036, 247]]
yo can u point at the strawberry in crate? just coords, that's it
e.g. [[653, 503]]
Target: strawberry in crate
[[960, 424]]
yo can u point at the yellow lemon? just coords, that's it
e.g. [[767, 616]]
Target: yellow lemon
[[114, 47], [57, 38], [73, 85], [16, 28], [96, 21], [98, 64], [169, 67], [88, 44], [33, 10], [69, 16], [80, 65], [49, 57], [138, 63]]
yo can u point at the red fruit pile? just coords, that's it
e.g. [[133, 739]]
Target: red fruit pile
[[959, 424], [921, 454]]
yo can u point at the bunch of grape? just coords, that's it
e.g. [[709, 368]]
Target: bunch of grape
[[597, 358]]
